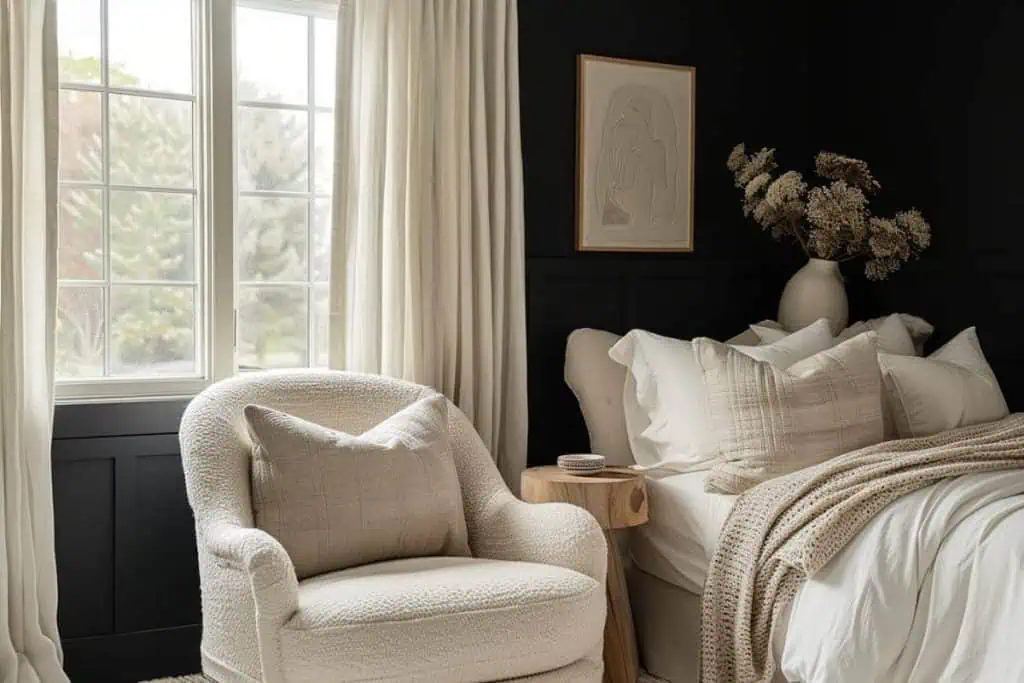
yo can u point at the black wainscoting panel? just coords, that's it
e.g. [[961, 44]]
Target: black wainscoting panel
[[133, 657], [156, 572], [716, 299], [126, 555], [671, 296], [83, 509], [87, 420], [562, 296]]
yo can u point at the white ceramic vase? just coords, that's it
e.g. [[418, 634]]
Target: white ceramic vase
[[815, 291]]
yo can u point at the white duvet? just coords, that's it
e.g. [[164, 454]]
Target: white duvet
[[931, 590]]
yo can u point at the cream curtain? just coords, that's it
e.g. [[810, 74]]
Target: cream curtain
[[29, 646], [427, 268]]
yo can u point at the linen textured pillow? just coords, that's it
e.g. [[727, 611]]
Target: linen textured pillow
[[953, 387], [664, 397], [893, 337], [335, 500], [771, 421]]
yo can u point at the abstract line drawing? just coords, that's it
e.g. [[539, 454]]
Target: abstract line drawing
[[635, 174]]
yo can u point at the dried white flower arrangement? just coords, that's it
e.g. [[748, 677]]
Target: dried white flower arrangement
[[833, 220]]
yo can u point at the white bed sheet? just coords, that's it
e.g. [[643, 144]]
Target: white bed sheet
[[931, 589], [684, 523]]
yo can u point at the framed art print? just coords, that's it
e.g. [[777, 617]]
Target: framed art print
[[635, 139]]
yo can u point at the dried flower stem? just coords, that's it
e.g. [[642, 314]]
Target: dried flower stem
[[801, 239]]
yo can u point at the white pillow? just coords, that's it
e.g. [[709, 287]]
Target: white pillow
[[891, 339], [953, 387], [770, 421], [893, 335], [920, 329], [664, 398]]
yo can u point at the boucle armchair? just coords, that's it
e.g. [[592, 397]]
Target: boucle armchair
[[528, 605]]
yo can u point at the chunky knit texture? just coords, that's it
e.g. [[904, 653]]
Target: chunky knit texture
[[783, 531], [261, 624]]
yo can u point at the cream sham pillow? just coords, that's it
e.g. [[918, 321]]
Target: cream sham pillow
[[899, 333], [920, 330], [769, 421], [335, 500], [893, 335], [664, 398], [953, 387]]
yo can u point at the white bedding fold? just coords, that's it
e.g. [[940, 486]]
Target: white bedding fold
[[932, 589], [936, 517]]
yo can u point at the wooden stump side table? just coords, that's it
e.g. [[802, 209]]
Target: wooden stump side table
[[617, 497]]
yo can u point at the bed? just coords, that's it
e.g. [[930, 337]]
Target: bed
[[667, 563], [667, 559]]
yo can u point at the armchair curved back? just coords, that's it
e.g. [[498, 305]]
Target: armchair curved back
[[216, 447]]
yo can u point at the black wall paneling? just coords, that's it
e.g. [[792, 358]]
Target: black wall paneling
[[932, 99], [83, 510], [88, 420], [751, 61], [126, 557], [133, 657], [566, 294]]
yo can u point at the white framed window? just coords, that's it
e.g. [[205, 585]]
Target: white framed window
[[284, 95], [196, 146]]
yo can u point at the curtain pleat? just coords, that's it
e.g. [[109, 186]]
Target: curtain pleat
[[29, 644], [427, 258]]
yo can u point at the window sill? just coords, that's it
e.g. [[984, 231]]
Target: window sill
[[128, 389]]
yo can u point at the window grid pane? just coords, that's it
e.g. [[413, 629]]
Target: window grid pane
[[156, 326], [132, 200], [270, 333]]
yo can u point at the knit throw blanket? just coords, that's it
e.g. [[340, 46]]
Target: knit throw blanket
[[783, 531]]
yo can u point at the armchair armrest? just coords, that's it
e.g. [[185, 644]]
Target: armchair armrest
[[264, 562], [558, 534]]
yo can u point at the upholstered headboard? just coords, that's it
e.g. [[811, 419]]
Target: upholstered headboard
[[597, 381]]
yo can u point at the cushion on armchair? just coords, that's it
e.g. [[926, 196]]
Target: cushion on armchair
[[335, 500], [452, 619]]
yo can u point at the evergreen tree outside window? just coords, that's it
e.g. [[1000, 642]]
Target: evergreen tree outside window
[[138, 219]]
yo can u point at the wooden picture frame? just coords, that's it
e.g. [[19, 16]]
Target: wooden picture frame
[[634, 155]]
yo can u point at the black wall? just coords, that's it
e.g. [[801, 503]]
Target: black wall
[[752, 63], [934, 102]]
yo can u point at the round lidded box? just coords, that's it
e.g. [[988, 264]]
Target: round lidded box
[[581, 463]]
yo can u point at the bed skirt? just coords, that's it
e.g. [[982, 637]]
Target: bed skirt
[[667, 621]]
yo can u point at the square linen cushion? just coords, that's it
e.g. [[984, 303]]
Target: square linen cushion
[[771, 421], [664, 397], [953, 387], [335, 500]]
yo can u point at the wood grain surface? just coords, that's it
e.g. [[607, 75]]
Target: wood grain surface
[[617, 497]]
